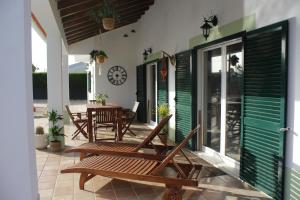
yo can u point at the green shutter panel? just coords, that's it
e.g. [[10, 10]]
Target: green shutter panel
[[141, 93], [264, 109], [162, 85], [184, 88]]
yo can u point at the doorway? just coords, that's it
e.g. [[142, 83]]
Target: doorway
[[152, 94], [222, 75]]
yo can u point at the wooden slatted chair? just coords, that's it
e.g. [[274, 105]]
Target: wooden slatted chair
[[105, 117], [119, 148], [128, 117], [141, 169], [80, 121]]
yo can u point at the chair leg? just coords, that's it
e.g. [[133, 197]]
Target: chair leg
[[82, 180], [173, 192]]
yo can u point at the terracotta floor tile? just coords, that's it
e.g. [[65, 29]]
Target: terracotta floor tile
[[46, 193], [65, 197], [125, 193], [51, 172], [46, 185], [63, 191], [48, 178], [105, 194]]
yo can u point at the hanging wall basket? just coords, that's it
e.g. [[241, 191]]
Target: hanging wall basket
[[108, 23]]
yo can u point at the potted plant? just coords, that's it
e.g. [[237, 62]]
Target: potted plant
[[98, 56], [56, 138], [41, 140], [106, 14], [101, 98], [163, 111]]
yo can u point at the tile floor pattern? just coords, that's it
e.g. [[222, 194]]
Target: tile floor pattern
[[214, 184]]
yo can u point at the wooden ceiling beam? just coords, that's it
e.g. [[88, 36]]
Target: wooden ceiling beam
[[80, 26], [74, 40], [69, 3], [87, 32], [83, 12], [84, 21]]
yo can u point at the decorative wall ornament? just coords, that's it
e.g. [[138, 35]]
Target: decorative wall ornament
[[164, 69], [172, 58], [209, 23], [117, 75]]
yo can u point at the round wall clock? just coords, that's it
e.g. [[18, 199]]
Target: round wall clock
[[117, 75]]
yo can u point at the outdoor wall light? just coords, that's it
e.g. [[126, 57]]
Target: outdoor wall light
[[208, 24], [146, 53]]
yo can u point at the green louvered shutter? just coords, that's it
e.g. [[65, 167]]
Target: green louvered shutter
[[184, 88], [162, 85], [264, 109], [141, 93]]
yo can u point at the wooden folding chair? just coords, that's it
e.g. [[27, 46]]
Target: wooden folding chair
[[150, 170], [128, 117], [80, 121], [122, 148]]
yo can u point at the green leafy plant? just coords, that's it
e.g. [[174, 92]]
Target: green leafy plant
[[163, 111], [107, 10], [55, 128], [95, 53], [101, 98]]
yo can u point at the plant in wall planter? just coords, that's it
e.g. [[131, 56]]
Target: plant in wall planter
[[163, 111], [107, 14], [101, 98], [98, 56], [56, 138], [41, 139]]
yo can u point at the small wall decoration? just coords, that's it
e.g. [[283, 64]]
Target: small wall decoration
[[117, 75]]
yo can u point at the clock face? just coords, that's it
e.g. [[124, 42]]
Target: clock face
[[117, 75]]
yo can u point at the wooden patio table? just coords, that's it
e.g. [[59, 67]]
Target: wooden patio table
[[92, 107]]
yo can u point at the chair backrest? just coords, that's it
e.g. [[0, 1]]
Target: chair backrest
[[69, 113], [135, 106], [154, 133], [106, 115], [175, 150]]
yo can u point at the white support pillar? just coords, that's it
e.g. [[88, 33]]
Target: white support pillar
[[54, 71], [18, 164], [65, 82]]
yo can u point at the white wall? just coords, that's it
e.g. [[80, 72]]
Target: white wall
[[121, 51]]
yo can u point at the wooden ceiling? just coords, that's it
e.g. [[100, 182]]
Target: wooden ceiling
[[78, 25]]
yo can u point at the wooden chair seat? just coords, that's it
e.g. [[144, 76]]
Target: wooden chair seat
[[105, 163], [101, 147], [80, 121]]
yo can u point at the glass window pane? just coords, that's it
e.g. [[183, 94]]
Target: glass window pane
[[213, 66], [233, 100]]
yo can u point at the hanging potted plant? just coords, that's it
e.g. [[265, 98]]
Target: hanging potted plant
[[98, 56], [106, 14], [163, 111], [56, 138]]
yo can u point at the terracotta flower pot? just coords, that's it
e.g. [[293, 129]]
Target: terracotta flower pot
[[100, 59], [108, 23], [55, 146]]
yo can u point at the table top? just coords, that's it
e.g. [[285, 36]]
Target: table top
[[107, 105]]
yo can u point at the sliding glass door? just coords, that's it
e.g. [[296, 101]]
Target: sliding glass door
[[222, 70]]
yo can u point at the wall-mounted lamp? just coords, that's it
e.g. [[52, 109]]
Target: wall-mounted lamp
[[146, 53], [171, 58], [208, 24]]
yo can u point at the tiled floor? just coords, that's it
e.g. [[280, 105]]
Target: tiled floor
[[213, 185]]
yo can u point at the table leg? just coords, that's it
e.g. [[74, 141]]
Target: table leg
[[90, 126]]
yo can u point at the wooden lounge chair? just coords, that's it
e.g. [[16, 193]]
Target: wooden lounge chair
[[140, 169], [118, 148], [80, 121], [128, 117]]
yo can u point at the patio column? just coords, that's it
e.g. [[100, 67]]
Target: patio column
[[54, 71], [18, 163], [65, 77]]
